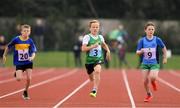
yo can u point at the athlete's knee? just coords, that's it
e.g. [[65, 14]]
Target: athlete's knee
[[91, 78], [28, 79], [146, 81], [153, 78], [19, 75], [18, 78], [97, 70]]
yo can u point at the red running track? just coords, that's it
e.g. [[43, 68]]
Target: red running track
[[70, 88]]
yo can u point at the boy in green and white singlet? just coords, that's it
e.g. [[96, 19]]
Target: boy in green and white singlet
[[92, 44]]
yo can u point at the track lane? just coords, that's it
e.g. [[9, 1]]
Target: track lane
[[112, 93], [170, 77], [46, 95], [6, 73], [15, 85], [164, 97]]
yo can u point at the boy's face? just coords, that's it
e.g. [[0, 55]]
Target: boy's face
[[150, 30], [25, 32], [94, 29]]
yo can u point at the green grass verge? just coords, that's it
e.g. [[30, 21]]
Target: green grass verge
[[66, 59]]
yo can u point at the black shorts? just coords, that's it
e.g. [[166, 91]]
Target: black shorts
[[90, 67], [1, 54], [24, 67]]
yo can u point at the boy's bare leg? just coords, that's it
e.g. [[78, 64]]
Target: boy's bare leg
[[28, 78], [96, 79], [28, 81], [146, 80], [19, 75], [97, 71], [91, 76], [153, 74]]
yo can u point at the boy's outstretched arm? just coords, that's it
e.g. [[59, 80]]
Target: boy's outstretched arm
[[85, 48], [5, 54], [108, 54], [32, 57], [139, 52], [164, 50]]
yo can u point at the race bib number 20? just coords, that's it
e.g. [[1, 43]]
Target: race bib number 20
[[23, 55]]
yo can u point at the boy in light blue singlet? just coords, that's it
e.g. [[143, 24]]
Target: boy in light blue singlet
[[148, 48]]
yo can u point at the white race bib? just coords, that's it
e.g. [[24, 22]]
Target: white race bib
[[149, 53], [95, 52], [23, 55]]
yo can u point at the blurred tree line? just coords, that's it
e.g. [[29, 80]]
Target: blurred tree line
[[62, 18], [131, 9]]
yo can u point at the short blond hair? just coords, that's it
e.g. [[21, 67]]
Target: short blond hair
[[25, 26], [149, 24], [93, 21]]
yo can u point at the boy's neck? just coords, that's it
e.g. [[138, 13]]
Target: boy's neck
[[150, 37], [94, 34], [24, 37]]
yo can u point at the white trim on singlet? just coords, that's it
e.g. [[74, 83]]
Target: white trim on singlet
[[87, 38]]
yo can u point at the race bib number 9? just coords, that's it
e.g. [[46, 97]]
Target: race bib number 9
[[149, 53], [23, 55], [95, 52]]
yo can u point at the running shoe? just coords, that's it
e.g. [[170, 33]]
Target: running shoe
[[148, 98], [25, 95], [93, 94]]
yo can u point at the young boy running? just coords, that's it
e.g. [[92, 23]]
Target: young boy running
[[24, 54], [148, 47], [92, 44]]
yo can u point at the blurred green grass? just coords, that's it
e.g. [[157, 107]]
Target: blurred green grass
[[66, 59]]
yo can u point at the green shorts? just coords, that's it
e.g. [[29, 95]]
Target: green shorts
[[150, 66]]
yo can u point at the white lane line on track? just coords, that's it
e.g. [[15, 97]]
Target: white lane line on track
[[33, 75], [128, 88], [42, 82], [168, 84], [71, 94]]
